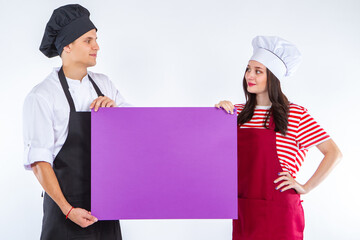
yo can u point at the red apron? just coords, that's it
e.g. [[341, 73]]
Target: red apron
[[264, 213]]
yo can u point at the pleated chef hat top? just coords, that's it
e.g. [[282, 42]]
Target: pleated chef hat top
[[66, 24], [281, 57]]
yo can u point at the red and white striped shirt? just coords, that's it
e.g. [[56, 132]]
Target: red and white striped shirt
[[303, 132]]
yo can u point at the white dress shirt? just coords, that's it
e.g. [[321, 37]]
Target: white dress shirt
[[46, 113]]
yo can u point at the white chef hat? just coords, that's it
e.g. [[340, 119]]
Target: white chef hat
[[281, 57]]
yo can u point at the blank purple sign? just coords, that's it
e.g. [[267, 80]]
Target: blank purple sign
[[163, 163]]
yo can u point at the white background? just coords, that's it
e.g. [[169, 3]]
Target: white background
[[193, 53]]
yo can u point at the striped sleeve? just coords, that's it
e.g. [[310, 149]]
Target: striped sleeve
[[309, 132]]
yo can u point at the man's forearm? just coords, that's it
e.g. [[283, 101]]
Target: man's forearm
[[47, 178]]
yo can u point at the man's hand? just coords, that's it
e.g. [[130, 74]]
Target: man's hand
[[102, 101], [82, 217]]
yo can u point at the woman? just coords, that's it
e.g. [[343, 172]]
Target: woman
[[273, 138]]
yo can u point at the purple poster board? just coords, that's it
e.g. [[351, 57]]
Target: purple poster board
[[163, 163]]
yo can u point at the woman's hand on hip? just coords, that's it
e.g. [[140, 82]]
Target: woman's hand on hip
[[288, 182], [82, 217], [102, 101], [226, 105]]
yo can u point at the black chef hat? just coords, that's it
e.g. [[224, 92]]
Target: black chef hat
[[67, 23]]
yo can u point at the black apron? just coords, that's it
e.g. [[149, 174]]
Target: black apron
[[72, 169]]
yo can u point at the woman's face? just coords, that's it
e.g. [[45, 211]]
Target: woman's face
[[256, 78]]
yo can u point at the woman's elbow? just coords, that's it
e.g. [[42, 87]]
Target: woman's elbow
[[338, 155]]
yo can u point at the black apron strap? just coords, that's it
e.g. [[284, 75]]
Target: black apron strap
[[65, 87], [97, 89]]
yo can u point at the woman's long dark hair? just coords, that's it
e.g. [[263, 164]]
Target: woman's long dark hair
[[279, 109]]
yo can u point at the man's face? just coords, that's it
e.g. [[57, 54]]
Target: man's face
[[83, 51]]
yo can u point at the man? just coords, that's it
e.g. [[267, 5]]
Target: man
[[57, 127]]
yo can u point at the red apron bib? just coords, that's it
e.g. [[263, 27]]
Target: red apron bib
[[264, 213]]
